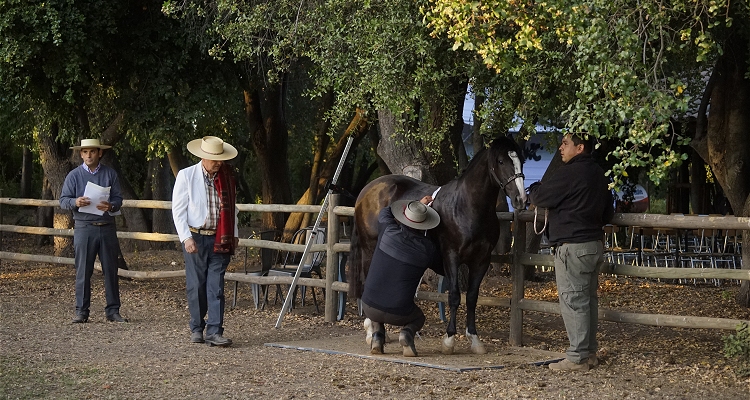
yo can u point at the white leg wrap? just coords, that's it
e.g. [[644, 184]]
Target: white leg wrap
[[368, 331], [476, 345], [449, 343]]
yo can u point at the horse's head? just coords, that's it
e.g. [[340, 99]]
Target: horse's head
[[506, 169]]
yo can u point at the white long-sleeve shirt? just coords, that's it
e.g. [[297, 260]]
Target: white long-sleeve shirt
[[190, 203]]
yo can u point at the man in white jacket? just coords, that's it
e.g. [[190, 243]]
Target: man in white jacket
[[205, 215]]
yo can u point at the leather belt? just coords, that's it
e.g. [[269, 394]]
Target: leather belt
[[207, 232], [100, 223]]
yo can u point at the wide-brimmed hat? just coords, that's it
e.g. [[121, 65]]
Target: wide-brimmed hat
[[91, 143], [212, 148], [415, 215]]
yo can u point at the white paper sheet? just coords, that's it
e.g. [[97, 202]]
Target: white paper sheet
[[96, 195]]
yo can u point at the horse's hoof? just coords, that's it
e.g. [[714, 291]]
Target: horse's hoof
[[477, 347], [449, 343]]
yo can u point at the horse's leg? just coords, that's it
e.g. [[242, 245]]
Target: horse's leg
[[454, 299], [472, 294]]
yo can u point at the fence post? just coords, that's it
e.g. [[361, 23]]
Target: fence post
[[332, 260], [1, 221], [516, 313]]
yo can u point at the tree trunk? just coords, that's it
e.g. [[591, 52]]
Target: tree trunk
[[56, 163], [161, 182], [321, 146], [455, 122], [374, 136], [45, 215], [401, 156], [270, 142], [726, 145], [132, 219], [26, 173], [743, 296], [357, 129], [300, 220], [177, 161], [452, 151], [698, 194], [407, 156], [403, 150]]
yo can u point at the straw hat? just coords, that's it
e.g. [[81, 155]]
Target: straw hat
[[91, 143], [415, 214], [212, 148]]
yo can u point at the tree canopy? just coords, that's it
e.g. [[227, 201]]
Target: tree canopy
[[622, 69]]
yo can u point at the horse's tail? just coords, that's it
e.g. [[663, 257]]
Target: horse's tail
[[355, 273]]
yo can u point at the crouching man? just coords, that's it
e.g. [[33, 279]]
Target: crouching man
[[403, 253]]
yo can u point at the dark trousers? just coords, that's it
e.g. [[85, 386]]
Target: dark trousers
[[413, 321], [90, 241], [204, 278]]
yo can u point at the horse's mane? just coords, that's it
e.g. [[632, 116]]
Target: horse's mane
[[498, 144]]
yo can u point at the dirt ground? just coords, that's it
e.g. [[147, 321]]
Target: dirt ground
[[43, 355]]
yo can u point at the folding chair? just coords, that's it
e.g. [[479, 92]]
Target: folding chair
[[629, 254], [268, 258], [699, 252], [311, 265], [724, 256]]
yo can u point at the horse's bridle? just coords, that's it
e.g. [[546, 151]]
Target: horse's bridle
[[510, 179]]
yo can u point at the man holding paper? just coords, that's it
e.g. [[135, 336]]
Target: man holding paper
[[92, 191]]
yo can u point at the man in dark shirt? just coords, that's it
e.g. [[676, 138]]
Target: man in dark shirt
[[402, 255], [95, 231], [580, 204]]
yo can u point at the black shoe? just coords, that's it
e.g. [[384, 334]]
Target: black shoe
[[80, 319], [116, 318], [218, 340], [196, 337], [378, 340]]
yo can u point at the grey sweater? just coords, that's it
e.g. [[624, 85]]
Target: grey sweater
[[75, 184]]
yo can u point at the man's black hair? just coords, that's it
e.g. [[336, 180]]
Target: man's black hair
[[580, 138]]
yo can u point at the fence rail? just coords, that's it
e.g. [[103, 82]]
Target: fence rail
[[518, 259]]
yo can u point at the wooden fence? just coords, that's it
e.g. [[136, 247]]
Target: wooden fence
[[518, 259]]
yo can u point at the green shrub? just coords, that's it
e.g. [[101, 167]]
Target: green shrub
[[737, 347]]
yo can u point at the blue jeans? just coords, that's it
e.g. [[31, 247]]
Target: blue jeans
[[204, 283], [577, 275]]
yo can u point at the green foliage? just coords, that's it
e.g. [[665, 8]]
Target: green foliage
[[110, 58], [373, 55], [737, 347], [378, 55], [82, 64], [607, 67], [657, 205]]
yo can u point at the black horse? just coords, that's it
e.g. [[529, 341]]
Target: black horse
[[468, 229]]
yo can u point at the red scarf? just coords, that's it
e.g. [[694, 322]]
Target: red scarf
[[227, 189]]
